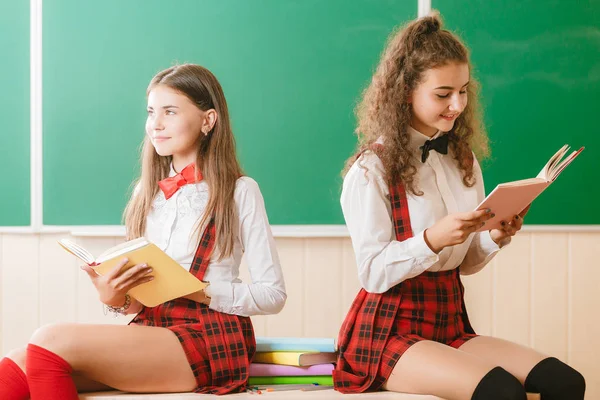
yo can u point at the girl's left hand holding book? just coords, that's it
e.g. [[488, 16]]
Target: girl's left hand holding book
[[510, 228]]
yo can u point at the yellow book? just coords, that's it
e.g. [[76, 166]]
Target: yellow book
[[297, 358], [170, 281]]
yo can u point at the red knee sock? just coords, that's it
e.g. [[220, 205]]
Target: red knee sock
[[13, 383], [49, 375]]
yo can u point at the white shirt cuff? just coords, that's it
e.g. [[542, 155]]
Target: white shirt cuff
[[422, 249], [221, 296], [489, 246], [419, 251]]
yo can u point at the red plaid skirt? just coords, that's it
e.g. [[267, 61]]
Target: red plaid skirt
[[218, 346], [430, 307], [379, 328]]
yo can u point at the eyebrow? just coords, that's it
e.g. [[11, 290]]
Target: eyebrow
[[449, 87], [165, 107]]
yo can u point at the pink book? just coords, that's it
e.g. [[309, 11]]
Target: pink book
[[511, 198], [288, 370]]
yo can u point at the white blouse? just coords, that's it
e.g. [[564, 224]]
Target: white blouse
[[382, 261], [170, 225]]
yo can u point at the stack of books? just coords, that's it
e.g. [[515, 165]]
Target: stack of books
[[292, 363]]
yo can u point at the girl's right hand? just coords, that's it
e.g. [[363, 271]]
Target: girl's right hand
[[455, 228], [113, 286]]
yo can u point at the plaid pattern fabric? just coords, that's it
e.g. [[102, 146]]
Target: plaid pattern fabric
[[431, 308], [379, 328], [218, 346]]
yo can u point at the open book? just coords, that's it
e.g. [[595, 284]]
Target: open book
[[509, 199], [170, 281]]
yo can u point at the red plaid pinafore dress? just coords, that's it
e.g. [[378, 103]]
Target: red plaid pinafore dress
[[379, 328], [218, 346]]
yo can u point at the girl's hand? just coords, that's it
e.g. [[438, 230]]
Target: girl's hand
[[509, 229], [113, 286], [455, 228]]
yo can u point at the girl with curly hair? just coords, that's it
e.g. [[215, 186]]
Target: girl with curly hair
[[408, 199]]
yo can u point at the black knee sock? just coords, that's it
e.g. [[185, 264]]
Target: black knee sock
[[498, 384], [555, 380]]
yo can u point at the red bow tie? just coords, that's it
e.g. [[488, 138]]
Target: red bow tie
[[171, 185]]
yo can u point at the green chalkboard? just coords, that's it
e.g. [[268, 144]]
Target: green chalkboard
[[14, 113], [291, 71], [539, 65]]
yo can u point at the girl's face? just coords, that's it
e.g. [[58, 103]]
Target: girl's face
[[440, 98], [174, 124]]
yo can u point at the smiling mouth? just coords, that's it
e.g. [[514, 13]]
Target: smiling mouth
[[449, 116]]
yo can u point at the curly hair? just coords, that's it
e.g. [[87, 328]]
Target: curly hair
[[384, 110]]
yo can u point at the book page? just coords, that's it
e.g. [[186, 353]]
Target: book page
[[560, 167], [545, 173], [77, 251], [523, 182], [122, 248]]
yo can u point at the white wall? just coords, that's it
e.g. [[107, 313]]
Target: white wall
[[541, 291]]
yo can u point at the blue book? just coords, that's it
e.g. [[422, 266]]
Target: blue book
[[323, 345]]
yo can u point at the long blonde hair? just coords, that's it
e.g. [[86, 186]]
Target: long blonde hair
[[385, 111], [216, 159]]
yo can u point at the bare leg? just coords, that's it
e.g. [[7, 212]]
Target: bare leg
[[516, 359], [82, 383], [18, 357], [432, 368], [130, 358]]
